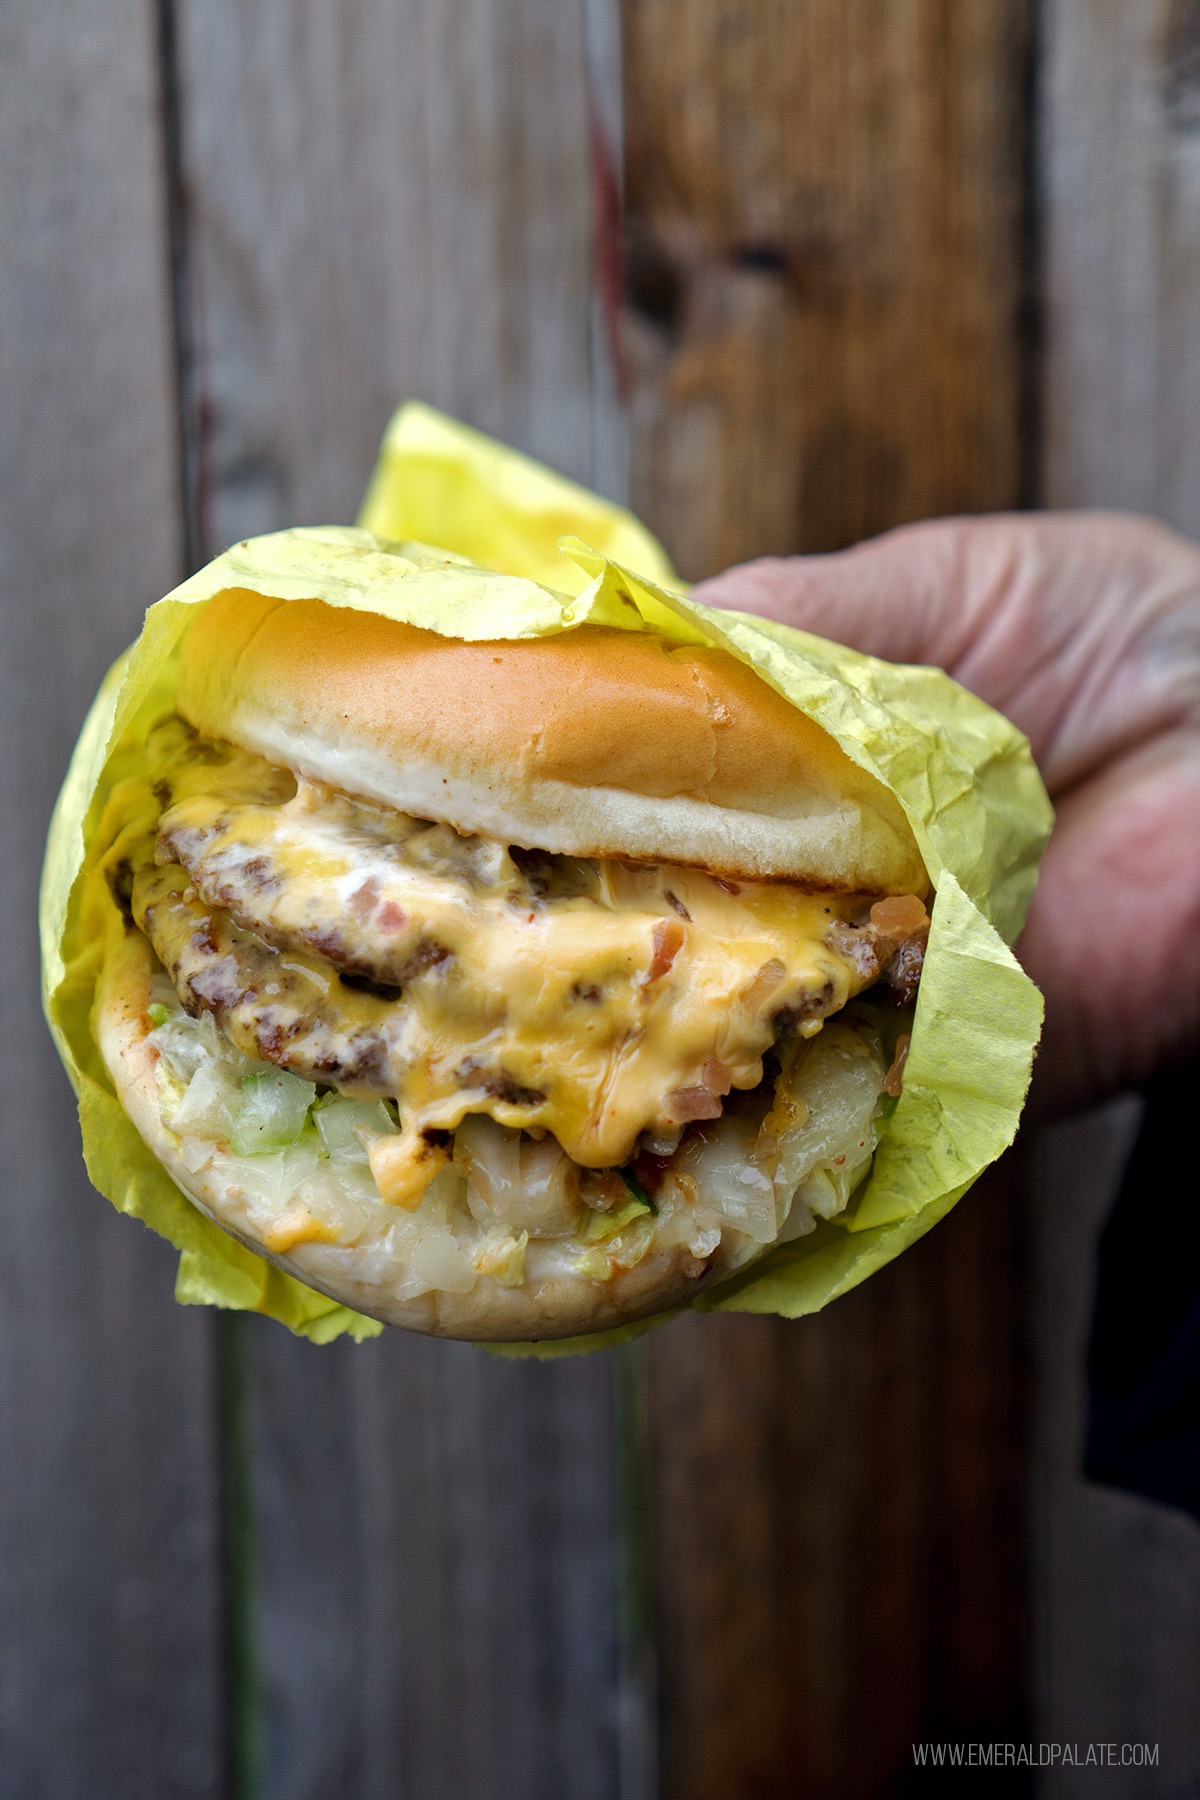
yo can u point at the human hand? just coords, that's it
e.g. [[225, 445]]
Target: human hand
[[1084, 628]]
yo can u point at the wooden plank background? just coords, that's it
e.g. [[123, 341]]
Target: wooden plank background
[[1116, 1579], [825, 221], [372, 206], [236, 232], [826, 218], [110, 1587]]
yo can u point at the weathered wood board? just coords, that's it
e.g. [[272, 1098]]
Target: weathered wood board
[[838, 1524], [111, 1681], [387, 201], [382, 201], [826, 338], [433, 1593], [1120, 177], [825, 214], [1118, 1579]]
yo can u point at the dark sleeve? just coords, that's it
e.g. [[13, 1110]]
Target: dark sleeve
[[1144, 1356]]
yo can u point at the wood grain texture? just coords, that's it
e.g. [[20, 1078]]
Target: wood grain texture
[[1118, 1590], [385, 201], [110, 1678], [1120, 161], [824, 210], [1118, 1578], [382, 201], [436, 1579], [824, 337], [839, 1524]]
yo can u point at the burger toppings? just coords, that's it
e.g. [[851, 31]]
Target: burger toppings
[[889, 943], [350, 943], [505, 1206], [290, 1010], [505, 1025]]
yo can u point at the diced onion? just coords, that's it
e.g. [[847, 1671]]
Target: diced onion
[[893, 1081], [764, 984], [684, 1104], [661, 1143], [716, 1077], [208, 1105], [899, 916], [196, 1153]]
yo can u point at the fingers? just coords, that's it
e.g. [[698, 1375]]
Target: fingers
[[1084, 628], [898, 596], [1113, 936]]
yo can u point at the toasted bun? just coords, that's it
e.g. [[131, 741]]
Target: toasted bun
[[595, 742], [362, 1276]]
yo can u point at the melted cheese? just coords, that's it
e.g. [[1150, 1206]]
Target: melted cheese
[[591, 1000]]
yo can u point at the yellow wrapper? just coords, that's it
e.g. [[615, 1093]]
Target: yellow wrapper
[[963, 774]]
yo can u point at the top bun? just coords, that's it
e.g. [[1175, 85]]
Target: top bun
[[594, 742]]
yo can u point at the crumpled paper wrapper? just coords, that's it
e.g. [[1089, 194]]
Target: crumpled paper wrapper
[[963, 774]]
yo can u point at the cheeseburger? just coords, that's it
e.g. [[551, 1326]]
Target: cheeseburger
[[501, 990]]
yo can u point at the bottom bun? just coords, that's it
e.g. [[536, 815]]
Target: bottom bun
[[370, 1272]]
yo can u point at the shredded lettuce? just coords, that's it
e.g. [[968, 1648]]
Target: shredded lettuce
[[185, 1045], [596, 1227], [346, 1127], [502, 1256], [272, 1111], [621, 1251], [636, 1189]]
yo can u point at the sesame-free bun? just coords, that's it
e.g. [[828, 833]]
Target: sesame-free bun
[[593, 742], [362, 1274]]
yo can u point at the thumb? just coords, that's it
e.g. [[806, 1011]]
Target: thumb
[[1082, 627], [905, 596]]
